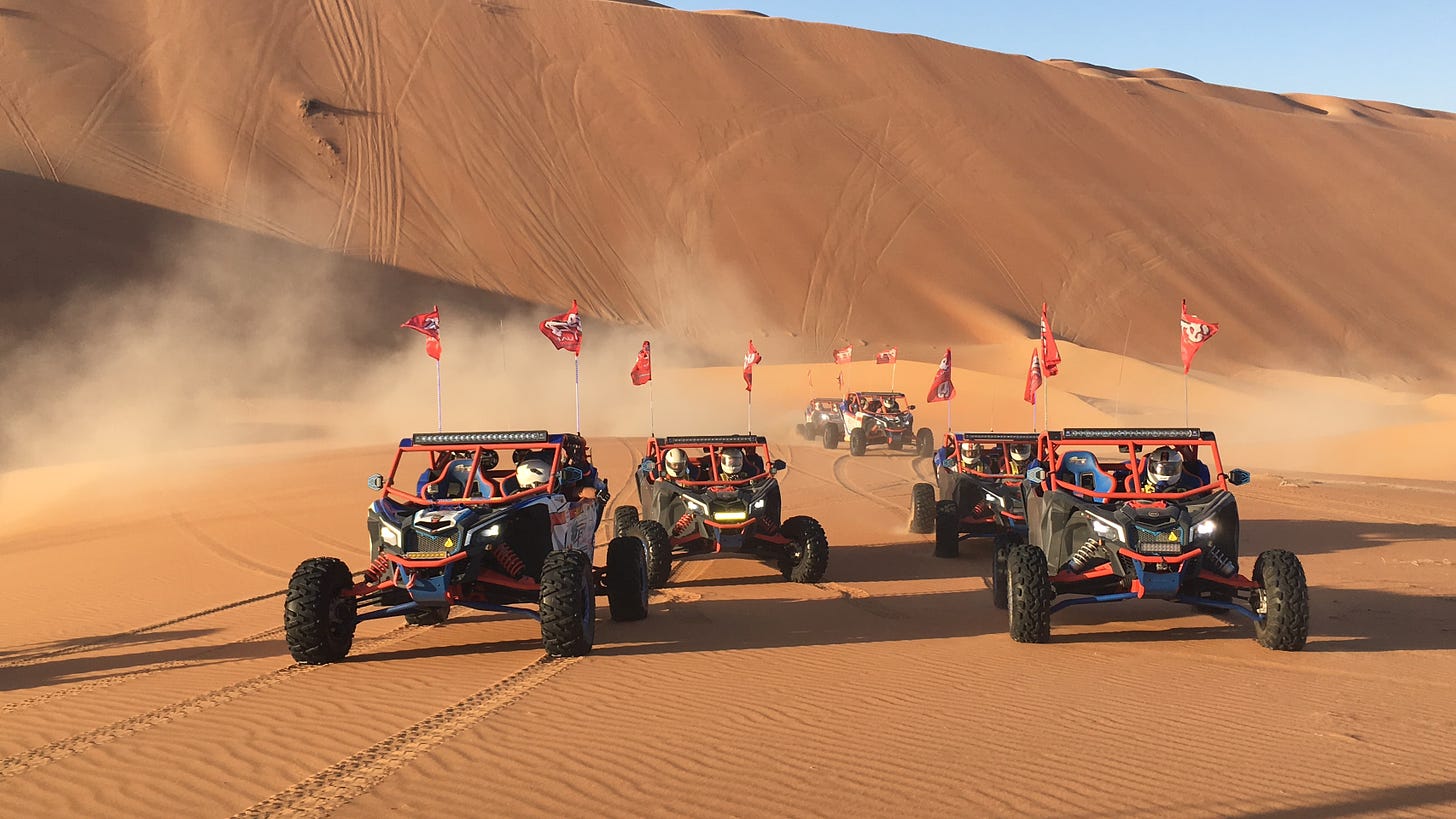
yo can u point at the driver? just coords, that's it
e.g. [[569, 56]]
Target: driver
[[531, 473], [1020, 459], [1163, 472], [730, 465]]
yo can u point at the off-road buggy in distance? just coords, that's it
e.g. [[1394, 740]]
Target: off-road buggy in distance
[[495, 521], [878, 418], [819, 413], [977, 494], [718, 493], [1125, 514]]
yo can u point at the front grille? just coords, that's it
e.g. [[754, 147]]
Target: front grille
[[1159, 542], [427, 542]]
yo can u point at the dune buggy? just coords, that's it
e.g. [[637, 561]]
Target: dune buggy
[[878, 418], [978, 483], [705, 509], [454, 526], [819, 413], [1101, 529]]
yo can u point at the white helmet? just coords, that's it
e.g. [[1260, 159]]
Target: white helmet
[[732, 461], [1165, 465], [676, 462], [532, 473], [968, 453], [1021, 453]]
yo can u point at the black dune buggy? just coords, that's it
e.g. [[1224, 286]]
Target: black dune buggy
[[977, 498], [1100, 527], [705, 510], [877, 418], [453, 526], [819, 413]]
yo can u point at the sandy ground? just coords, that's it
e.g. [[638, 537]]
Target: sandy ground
[[144, 671]]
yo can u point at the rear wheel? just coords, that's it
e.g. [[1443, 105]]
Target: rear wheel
[[627, 579], [896, 443], [947, 529], [623, 520], [432, 616], [858, 441], [807, 555], [1000, 553], [659, 551], [1283, 600], [318, 617], [924, 442], [568, 604], [922, 508], [832, 436], [1029, 594]]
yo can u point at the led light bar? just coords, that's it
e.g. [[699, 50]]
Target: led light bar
[[471, 438], [1135, 433], [997, 436], [695, 440], [730, 516]]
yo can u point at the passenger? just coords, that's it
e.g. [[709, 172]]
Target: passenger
[[676, 466], [730, 465], [1020, 459], [1196, 470], [892, 406], [874, 406]]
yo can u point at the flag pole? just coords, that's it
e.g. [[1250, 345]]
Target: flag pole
[[439, 405], [750, 410], [893, 365], [1185, 399], [651, 409], [577, 358]]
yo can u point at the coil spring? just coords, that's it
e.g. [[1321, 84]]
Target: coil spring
[[376, 569], [1079, 559], [1218, 562], [682, 524], [509, 560]]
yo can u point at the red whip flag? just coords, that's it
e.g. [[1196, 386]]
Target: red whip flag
[[941, 389], [564, 331], [1195, 332], [751, 358], [642, 370], [1050, 358], [1033, 378], [428, 324], [887, 356], [844, 354]]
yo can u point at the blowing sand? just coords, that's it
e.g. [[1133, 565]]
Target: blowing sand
[[218, 216]]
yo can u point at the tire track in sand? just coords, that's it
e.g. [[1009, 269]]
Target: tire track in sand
[[347, 779], [60, 749]]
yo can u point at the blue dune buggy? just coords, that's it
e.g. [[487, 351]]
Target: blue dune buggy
[[1106, 522], [469, 531]]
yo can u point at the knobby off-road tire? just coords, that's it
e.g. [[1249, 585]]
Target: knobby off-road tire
[[1000, 554], [947, 529], [896, 443], [433, 616], [623, 519], [858, 442], [318, 619], [922, 508], [1029, 594], [1284, 599], [925, 442], [808, 550], [627, 579], [568, 604], [832, 436], [659, 550]]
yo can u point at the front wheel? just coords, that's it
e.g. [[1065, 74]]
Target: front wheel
[[925, 442], [568, 604], [318, 616], [858, 441], [807, 554], [1029, 594], [832, 436], [659, 551], [1283, 599], [627, 579], [947, 529], [922, 508]]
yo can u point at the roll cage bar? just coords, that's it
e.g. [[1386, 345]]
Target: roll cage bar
[[715, 444], [447, 448], [1054, 445]]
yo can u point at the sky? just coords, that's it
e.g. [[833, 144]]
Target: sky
[[1394, 50]]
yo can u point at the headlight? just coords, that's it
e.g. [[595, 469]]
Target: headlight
[[1205, 528], [1107, 528], [491, 531], [388, 535], [758, 504], [696, 505], [999, 501]]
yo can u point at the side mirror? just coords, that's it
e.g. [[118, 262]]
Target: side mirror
[[1036, 474], [1239, 477], [569, 475], [779, 466], [912, 407], [376, 482]]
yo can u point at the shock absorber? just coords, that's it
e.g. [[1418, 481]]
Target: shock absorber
[[1217, 562], [1083, 556], [682, 524], [376, 569], [509, 560]]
